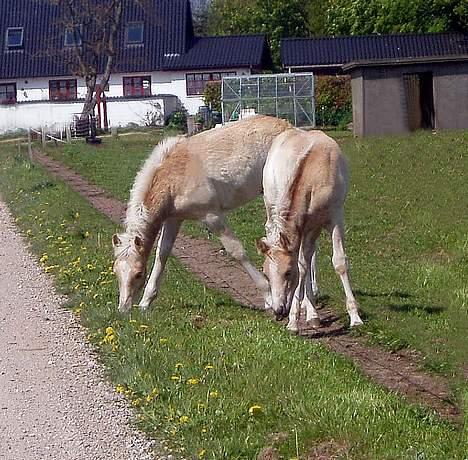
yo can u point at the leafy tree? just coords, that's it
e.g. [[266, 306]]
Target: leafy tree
[[396, 16], [317, 15], [275, 18]]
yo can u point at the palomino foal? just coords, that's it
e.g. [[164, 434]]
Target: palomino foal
[[199, 177], [305, 182]]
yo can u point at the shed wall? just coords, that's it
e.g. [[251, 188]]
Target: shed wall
[[379, 99]]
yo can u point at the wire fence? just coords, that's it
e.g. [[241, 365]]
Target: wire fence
[[288, 95]]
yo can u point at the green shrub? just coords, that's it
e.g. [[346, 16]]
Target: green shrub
[[178, 120], [212, 95], [333, 101]]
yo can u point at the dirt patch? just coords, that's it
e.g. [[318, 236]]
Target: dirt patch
[[395, 371], [328, 450]]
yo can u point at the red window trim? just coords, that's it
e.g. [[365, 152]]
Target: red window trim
[[133, 86], [8, 100], [203, 79], [68, 92]]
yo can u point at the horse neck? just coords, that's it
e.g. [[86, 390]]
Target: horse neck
[[145, 219], [283, 222]]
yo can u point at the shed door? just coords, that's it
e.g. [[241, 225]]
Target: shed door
[[419, 100]]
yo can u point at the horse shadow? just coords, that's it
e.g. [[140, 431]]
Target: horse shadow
[[406, 307]]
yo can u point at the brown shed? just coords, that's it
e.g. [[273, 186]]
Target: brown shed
[[400, 83]]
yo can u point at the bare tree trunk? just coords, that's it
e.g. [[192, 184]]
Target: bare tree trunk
[[91, 78]]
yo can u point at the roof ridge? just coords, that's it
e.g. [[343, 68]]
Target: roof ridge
[[374, 35]]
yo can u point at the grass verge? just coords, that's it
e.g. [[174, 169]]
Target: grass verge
[[211, 379]]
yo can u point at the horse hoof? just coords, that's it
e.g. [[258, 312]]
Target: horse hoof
[[356, 322], [292, 329], [314, 323]]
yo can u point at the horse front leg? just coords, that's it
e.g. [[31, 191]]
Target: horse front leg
[[217, 224], [168, 235]]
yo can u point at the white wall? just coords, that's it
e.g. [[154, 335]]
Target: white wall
[[120, 113], [37, 114]]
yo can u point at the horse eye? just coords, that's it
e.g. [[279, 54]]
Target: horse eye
[[288, 274], [139, 275]]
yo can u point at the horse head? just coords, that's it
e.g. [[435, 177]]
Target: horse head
[[129, 267], [280, 267]]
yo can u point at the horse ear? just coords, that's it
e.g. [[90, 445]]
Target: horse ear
[[284, 241], [138, 243], [116, 242], [262, 246]]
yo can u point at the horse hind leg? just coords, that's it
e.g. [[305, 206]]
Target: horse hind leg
[[314, 274], [309, 302], [340, 264]]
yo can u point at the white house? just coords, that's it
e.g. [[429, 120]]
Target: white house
[[159, 65]]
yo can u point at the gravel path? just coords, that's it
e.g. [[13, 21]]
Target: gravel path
[[54, 402]]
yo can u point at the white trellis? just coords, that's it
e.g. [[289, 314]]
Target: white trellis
[[286, 95]]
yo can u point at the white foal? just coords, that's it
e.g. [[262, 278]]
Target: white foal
[[305, 182], [199, 177]]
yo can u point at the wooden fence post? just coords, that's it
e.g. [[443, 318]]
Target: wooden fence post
[[68, 131], [43, 131], [29, 145]]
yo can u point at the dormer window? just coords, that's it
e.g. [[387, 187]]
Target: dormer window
[[14, 38], [134, 33], [73, 36]]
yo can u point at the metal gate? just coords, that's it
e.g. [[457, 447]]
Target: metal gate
[[286, 95]]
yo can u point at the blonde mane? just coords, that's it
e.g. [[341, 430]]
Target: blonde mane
[[281, 213], [137, 216]]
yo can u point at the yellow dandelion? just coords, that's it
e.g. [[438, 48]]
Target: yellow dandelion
[[192, 381], [201, 453], [109, 330], [204, 430], [209, 366], [132, 321], [183, 419], [213, 394], [143, 327], [255, 410], [162, 340], [179, 366], [86, 234], [136, 402], [120, 389], [175, 378], [44, 258], [50, 267]]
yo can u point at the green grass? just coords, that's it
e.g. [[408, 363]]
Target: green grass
[[196, 364], [407, 229]]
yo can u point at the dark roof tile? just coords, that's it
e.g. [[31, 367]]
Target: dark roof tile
[[221, 52], [330, 51]]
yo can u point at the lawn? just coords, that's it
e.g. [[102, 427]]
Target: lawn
[[207, 377], [407, 235]]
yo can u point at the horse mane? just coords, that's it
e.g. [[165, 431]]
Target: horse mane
[[137, 216], [282, 216]]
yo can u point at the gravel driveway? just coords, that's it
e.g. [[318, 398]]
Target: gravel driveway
[[54, 402]]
